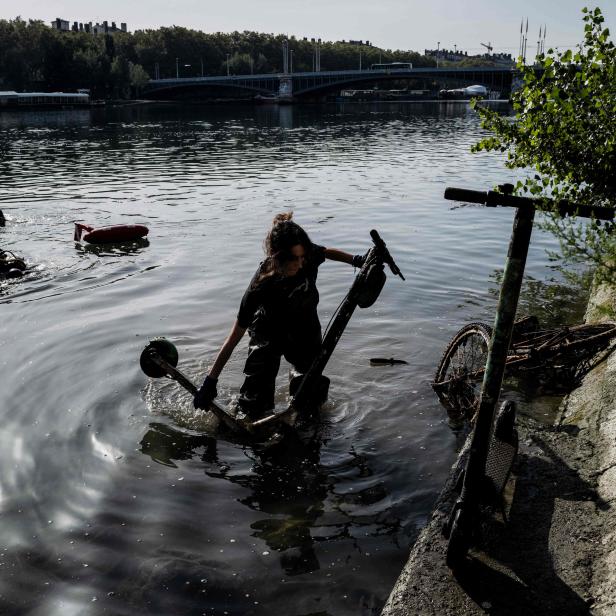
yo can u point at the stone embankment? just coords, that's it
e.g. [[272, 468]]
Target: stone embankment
[[557, 553]]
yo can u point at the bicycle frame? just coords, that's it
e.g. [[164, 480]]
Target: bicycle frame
[[532, 348], [465, 512]]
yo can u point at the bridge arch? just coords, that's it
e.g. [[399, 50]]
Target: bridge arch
[[325, 88], [306, 85], [179, 89]]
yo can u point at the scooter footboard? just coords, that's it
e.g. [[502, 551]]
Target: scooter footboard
[[503, 448]]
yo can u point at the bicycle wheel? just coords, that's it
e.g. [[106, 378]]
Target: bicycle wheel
[[458, 378]]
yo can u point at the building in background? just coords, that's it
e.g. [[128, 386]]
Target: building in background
[[104, 28], [457, 55], [60, 24]]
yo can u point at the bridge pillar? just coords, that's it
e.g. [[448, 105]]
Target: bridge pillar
[[285, 88]]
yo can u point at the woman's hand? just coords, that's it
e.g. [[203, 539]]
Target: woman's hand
[[358, 260], [207, 393]]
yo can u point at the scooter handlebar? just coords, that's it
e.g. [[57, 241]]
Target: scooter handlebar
[[491, 198], [384, 253]]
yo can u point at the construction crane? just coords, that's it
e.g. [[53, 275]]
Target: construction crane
[[488, 47]]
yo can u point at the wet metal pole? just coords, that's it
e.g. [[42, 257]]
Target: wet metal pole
[[497, 353], [465, 513]]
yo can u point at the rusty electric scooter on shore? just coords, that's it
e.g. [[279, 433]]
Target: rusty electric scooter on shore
[[493, 444]]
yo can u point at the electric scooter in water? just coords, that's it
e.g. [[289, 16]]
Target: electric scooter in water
[[308, 391]]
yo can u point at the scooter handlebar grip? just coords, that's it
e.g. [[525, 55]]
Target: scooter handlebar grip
[[376, 238], [463, 194]]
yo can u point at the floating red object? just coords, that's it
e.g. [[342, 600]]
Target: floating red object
[[109, 235]]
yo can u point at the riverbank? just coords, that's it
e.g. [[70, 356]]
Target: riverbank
[[557, 554]]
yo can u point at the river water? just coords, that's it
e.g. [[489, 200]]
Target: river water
[[115, 496]]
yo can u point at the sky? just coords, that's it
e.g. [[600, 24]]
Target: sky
[[390, 24]]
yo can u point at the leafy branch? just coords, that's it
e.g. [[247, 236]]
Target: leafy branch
[[563, 134]]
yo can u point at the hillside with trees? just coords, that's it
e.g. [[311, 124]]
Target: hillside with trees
[[34, 56]]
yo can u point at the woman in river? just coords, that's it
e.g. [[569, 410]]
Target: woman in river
[[279, 310]]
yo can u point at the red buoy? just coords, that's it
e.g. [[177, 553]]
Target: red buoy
[[108, 235]]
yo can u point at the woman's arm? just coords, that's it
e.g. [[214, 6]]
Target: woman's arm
[[235, 335], [207, 392], [338, 255]]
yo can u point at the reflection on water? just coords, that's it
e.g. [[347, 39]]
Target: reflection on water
[[121, 248], [552, 300], [299, 502], [109, 504], [45, 120]]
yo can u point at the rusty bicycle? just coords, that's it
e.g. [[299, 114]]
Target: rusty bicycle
[[559, 356]]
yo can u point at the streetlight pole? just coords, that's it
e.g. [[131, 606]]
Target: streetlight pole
[[228, 72], [438, 52], [317, 56], [201, 67], [291, 61], [360, 59], [285, 57], [177, 68]]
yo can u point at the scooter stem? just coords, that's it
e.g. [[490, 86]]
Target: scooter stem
[[186, 383]]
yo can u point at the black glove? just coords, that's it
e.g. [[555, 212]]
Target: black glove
[[206, 394], [358, 260]]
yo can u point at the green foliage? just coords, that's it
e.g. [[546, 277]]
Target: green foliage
[[564, 135], [138, 76], [240, 63], [470, 62]]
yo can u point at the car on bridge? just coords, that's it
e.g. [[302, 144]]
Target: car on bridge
[[392, 66]]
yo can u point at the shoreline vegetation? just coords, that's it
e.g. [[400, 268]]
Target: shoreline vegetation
[[36, 57]]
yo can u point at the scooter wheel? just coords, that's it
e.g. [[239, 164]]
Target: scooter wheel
[[459, 541], [7, 264], [162, 348], [16, 263]]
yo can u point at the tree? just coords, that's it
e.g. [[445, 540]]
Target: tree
[[564, 134], [239, 64], [138, 77], [120, 76]]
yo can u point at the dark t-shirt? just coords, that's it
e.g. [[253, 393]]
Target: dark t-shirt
[[279, 307]]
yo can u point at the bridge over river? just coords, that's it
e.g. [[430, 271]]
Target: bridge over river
[[316, 85]]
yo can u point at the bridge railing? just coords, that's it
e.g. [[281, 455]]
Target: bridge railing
[[349, 73]]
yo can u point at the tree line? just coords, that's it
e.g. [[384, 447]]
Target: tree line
[[34, 56]]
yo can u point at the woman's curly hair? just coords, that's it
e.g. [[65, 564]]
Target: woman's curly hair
[[283, 235]]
